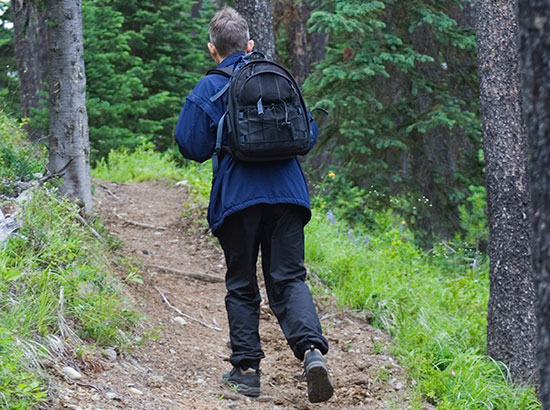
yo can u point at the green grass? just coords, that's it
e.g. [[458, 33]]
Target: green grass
[[434, 308], [57, 286], [55, 280], [19, 160]]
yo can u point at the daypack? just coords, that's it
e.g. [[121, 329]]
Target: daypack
[[266, 117]]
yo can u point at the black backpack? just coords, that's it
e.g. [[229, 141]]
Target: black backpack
[[266, 117]]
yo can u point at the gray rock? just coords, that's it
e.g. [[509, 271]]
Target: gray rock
[[71, 373]]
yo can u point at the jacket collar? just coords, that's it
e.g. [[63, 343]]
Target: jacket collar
[[230, 60]]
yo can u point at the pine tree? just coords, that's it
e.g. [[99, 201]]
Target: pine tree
[[401, 89]]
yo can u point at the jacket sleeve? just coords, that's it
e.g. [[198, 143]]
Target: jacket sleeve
[[314, 130], [194, 133]]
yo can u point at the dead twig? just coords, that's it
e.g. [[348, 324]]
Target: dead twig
[[165, 300], [108, 191], [141, 225], [94, 232], [198, 276]]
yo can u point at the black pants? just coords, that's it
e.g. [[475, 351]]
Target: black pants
[[279, 230]]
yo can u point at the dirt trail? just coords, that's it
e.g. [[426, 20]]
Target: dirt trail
[[182, 368]]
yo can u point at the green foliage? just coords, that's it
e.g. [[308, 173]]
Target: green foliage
[[19, 159], [54, 273], [434, 306], [20, 388], [473, 219], [395, 80], [9, 85], [142, 164], [55, 281], [142, 59]]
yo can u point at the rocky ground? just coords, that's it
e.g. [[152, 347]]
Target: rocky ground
[[183, 295]]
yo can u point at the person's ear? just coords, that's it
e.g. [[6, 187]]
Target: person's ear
[[249, 46], [213, 51]]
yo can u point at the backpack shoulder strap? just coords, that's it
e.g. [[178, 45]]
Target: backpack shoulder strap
[[225, 71]]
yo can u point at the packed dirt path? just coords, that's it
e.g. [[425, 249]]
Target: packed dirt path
[[165, 235]]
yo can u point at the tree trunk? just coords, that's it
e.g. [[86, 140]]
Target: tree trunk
[[69, 143], [535, 54], [294, 16], [260, 21], [511, 330], [31, 55]]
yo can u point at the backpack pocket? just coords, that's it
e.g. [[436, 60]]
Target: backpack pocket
[[272, 130]]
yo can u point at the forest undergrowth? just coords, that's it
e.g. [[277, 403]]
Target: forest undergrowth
[[54, 282]]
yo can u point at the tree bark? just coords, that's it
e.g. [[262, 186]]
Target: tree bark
[[294, 16], [69, 141], [534, 19], [260, 21], [31, 55], [511, 329]]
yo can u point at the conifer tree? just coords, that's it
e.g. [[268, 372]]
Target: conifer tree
[[401, 88]]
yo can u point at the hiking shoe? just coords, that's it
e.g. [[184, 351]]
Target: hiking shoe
[[319, 386], [246, 382]]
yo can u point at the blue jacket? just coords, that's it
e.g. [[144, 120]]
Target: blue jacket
[[237, 185]]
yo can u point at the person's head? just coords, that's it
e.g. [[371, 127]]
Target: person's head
[[228, 34]]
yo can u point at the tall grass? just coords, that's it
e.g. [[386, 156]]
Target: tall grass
[[146, 164], [58, 295], [434, 307]]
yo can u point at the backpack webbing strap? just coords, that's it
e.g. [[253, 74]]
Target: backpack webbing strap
[[226, 72], [218, 147]]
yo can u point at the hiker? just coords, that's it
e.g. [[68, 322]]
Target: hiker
[[255, 205]]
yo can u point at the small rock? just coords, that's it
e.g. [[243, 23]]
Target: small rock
[[398, 386], [155, 381], [110, 354], [179, 320], [111, 395], [71, 373], [361, 365], [135, 391]]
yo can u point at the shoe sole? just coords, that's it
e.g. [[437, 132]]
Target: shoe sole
[[242, 388], [319, 386]]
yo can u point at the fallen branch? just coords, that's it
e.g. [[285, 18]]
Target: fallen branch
[[158, 228], [199, 276], [165, 300]]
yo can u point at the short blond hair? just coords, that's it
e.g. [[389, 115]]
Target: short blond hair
[[229, 32]]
